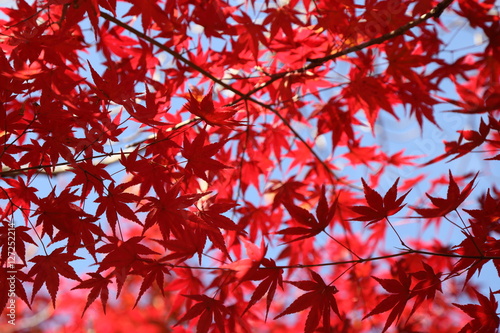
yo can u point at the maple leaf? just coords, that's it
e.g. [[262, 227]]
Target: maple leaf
[[212, 212], [149, 12], [281, 59], [109, 86], [187, 283], [47, 269], [285, 191], [281, 18], [168, 210], [188, 242], [152, 270], [115, 203], [319, 298], [121, 255], [477, 243], [489, 212], [474, 139], [199, 156], [486, 319], [146, 115], [313, 226], [214, 116], [89, 176], [271, 277], [429, 283], [209, 310], [245, 267], [401, 293], [254, 35], [379, 208], [211, 231], [80, 233], [10, 282], [99, 287], [22, 236], [20, 195], [58, 211], [211, 15], [453, 199]]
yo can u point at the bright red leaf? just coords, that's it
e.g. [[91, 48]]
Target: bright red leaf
[[205, 109], [199, 156], [160, 141], [319, 298]]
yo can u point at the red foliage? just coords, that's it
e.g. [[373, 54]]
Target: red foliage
[[179, 162]]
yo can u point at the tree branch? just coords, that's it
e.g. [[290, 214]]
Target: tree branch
[[356, 261], [313, 63], [243, 96], [104, 159]]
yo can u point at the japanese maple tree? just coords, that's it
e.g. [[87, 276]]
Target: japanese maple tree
[[250, 166]]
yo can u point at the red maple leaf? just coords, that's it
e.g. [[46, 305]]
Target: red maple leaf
[[168, 210], [151, 270], [200, 156], [22, 236], [150, 13], [90, 176], [209, 309], [20, 196], [477, 244], [319, 298], [401, 293], [59, 212], [18, 279], [115, 203], [485, 316], [379, 208], [285, 191], [313, 226], [121, 255], [453, 199], [271, 277], [212, 212], [80, 233], [429, 283], [111, 86], [99, 287], [188, 242], [205, 109], [47, 270]]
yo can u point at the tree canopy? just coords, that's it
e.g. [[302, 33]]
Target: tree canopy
[[250, 166]]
